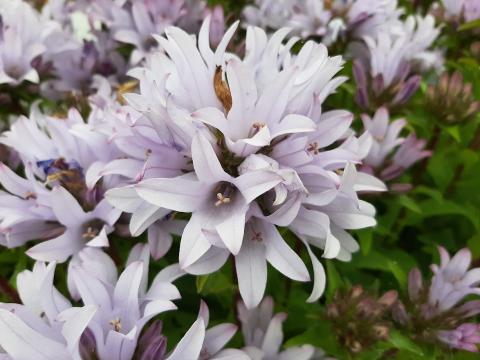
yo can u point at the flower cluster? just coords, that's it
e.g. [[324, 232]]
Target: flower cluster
[[360, 319], [439, 312], [457, 12], [386, 141], [246, 149], [331, 20]]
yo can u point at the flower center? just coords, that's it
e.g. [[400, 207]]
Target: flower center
[[256, 127], [92, 228], [90, 233], [30, 195], [313, 148], [224, 194], [117, 324], [257, 236]]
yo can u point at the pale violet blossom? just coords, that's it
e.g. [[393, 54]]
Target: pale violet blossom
[[46, 326], [390, 154], [135, 21], [441, 307], [125, 304], [266, 108], [207, 344], [387, 67], [385, 136], [461, 10], [332, 20], [23, 35], [54, 197], [263, 334], [464, 337], [411, 151]]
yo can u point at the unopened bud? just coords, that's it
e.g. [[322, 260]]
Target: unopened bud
[[388, 299], [332, 311], [381, 332], [356, 292]]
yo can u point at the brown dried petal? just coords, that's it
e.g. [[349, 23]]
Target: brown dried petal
[[126, 88], [222, 90]]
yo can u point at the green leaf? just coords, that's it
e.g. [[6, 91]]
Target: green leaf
[[409, 203], [470, 25], [215, 283], [201, 281], [454, 132], [402, 342], [366, 240], [398, 273], [334, 280]]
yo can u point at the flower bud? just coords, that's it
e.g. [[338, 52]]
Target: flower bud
[[451, 100]]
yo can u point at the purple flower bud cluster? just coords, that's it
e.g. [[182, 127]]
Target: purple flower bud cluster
[[440, 311], [391, 155]]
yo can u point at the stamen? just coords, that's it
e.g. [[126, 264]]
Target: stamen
[[313, 147], [90, 233], [60, 175], [256, 127], [126, 88], [117, 324], [30, 195], [222, 199], [257, 237]]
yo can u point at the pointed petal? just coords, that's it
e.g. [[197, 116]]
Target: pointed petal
[[217, 337], [178, 194], [251, 268], [282, 257], [66, 208], [205, 161], [191, 344], [23, 343]]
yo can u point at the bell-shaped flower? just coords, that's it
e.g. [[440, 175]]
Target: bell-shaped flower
[[46, 326]]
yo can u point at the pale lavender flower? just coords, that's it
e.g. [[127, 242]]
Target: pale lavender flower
[[75, 69], [152, 344], [22, 41], [54, 196], [387, 66], [388, 157], [411, 151], [459, 10], [332, 21], [207, 344], [440, 309], [471, 10], [263, 335], [134, 21], [452, 280], [82, 228], [272, 14], [46, 326], [453, 8], [271, 152], [25, 213], [465, 337], [125, 305], [385, 136]]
